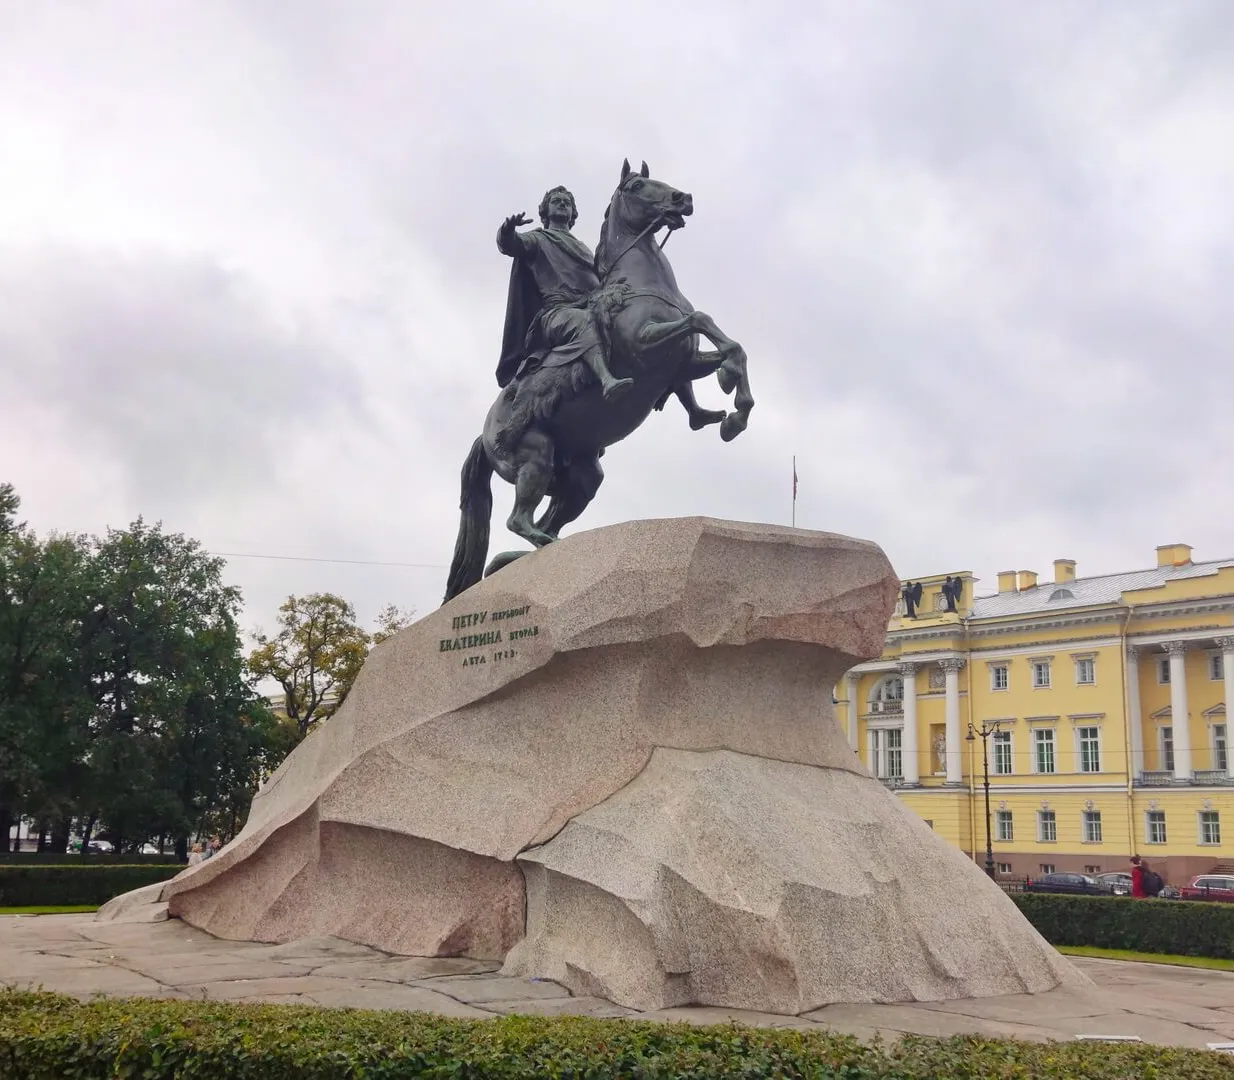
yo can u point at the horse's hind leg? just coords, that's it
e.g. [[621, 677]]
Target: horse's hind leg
[[533, 469], [577, 485]]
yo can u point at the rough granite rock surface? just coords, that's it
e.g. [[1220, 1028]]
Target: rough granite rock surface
[[557, 694]]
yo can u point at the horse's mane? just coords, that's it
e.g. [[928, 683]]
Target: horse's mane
[[602, 246]]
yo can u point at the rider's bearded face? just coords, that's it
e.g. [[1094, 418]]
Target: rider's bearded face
[[560, 208]]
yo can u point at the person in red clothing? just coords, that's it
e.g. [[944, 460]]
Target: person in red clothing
[[1137, 877]]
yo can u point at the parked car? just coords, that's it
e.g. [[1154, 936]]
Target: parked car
[[1209, 887], [1119, 882], [1068, 883], [100, 847]]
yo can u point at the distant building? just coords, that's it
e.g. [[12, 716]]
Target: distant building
[[1112, 695]]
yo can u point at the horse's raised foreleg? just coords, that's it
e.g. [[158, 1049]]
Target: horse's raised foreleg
[[533, 468], [732, 375], [699, 417]]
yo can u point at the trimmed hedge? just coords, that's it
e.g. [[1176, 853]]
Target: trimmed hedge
[[73, 886], [1173, 927], [46, 1035], [70, 858]]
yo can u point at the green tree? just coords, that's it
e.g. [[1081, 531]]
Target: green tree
[[43, 704], [390, 620], [171, 698], [315, 656]]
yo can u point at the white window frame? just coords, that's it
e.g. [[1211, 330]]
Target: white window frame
[[1091, 824], [1086, 664], [882, 697], [1153, 835], [1209, 825], [1004, 822], [1038, 741], [1079, 747], [1044, 818], [1004, 738], [1165, 746], [1038, 666], [1219, 743], [883, 755], [1163, 671], [1006, 672], [1046, 868], [1004, 868]]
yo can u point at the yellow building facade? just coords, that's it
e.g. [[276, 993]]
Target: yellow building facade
[[1104, 706]]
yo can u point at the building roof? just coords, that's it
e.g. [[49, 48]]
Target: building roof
[[1087, 592]]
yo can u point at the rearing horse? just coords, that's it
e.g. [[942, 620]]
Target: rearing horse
[[546, 431]]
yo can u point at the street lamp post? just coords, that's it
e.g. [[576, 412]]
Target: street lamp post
[[988, 727]]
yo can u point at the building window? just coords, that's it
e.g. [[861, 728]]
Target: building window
[[1216, 669], [1041, 674], [1210, 827], [1002, 753], [1043, 750], [998, 677], [1167, 748], [1004, 868], [1046, 867], [1155, 826], [1085, 671], [1221, 754], [1092, 826], [886, 758], [1163, 670], [1090, 749], [1047, 828], [1092, 869], [888, 695], [1006, 826]]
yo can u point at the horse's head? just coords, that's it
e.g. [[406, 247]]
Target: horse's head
[[643, 203]]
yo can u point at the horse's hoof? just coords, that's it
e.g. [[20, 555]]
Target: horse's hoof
[[704, 417], [734, 424], [505, 558]]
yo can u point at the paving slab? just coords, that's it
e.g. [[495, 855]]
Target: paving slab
[[407, 968], [74, 954], [478, 989]]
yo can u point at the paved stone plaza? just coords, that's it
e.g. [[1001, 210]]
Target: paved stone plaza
[[74, 954]]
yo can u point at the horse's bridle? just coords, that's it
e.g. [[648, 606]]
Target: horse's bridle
[[651, 228]]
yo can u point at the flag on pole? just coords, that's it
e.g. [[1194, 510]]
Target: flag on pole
[[794, 515]]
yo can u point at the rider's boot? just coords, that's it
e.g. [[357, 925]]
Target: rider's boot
[[611, 387]]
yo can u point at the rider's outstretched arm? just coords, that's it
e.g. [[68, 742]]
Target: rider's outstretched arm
[[511, 242]]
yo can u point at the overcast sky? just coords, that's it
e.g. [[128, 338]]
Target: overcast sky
[[980, 256]]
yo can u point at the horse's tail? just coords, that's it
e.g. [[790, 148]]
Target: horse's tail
[[476, 504]]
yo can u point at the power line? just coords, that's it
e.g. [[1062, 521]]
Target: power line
[[311, 558]]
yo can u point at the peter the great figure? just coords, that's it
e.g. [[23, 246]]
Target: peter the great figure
[[591, 345], [547, 310]]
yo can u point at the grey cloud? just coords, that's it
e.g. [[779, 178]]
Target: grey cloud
[[979, 252], [168, 363]]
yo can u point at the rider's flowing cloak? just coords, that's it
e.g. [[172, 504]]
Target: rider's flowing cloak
[[573, 266]]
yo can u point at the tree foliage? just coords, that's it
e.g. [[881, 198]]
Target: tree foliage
[[317, 654], [125, 703]]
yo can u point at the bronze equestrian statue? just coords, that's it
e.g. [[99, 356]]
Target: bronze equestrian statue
[[591, 346]]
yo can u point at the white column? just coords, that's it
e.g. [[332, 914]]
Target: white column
[[955, 762], [1180, 717], [908, 739], [1135, 717], [851, 681], [1227, 670]]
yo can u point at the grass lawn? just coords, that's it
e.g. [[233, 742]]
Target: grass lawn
[[47, 910], [1147, 958]]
